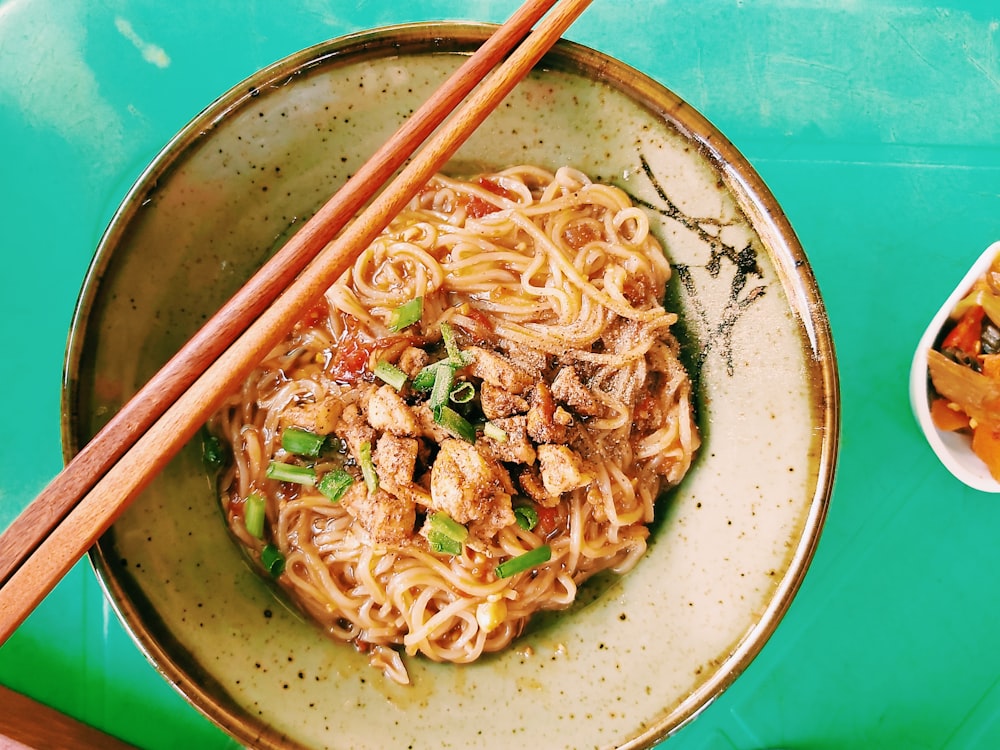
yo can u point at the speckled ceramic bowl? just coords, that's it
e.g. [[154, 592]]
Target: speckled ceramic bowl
[[637, 656]]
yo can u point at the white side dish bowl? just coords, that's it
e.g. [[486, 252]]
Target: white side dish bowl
[[952, 448]]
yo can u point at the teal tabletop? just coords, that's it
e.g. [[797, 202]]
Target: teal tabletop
[[875, 123]]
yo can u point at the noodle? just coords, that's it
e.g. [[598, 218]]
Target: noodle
[[561, 413]]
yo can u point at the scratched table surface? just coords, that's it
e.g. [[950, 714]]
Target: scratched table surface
[[875, 124]]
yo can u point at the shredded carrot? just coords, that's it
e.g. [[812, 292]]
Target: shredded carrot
[[965, 335]]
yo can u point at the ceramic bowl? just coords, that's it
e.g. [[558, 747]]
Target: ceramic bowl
[[638, 656], [952, 448]]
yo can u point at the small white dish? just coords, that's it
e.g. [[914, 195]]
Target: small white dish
[[952, 448]]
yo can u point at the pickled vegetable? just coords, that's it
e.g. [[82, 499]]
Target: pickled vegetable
[[964, 369]]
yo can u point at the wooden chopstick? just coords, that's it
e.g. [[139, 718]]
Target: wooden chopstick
[[60, 546], [26, 724], [59, 497]]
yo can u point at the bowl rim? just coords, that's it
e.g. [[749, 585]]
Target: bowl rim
[[754, 198], [952, 450]]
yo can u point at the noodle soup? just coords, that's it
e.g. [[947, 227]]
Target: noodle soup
[[479, 416], [636, 656]]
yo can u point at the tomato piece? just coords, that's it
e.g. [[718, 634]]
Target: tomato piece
[[313, 316], [548, 520], [494, 187], [578, 235], [477, 208], [350, 360], [965, 335]]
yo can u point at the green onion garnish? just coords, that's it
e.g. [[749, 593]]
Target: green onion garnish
[[272, 560], [253, 515], [291, 473], [213, 452], [334, 484], [443, 543], [455, 355], [368, 467], [444, 377], [445, 534], [524, 562], [445, 524], [389, 373], [302, 442], [424, 379], [526, 517], [493, 432], [406, 314], [463, 393], [455, 423]]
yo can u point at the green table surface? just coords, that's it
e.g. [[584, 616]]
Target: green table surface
[[875, 124]]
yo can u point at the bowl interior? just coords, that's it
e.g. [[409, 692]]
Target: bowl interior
[[637, 656]]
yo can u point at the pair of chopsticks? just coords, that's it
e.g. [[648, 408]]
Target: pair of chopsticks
[[96, 486]]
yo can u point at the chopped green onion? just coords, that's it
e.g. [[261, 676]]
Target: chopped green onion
[[455, 355], [368, 467], [302, 442], [455, 423], [214, 452], [424, 380], [291, 473], [493, 432], [526, 517], [406, 314], [253, 515], [272, 560], [444, 378], [524, 562], [443, 543], [334, 484], [389, 373], [445, 524], [463, 393]]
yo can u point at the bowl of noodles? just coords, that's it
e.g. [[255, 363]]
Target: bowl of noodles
[[548, 462]]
